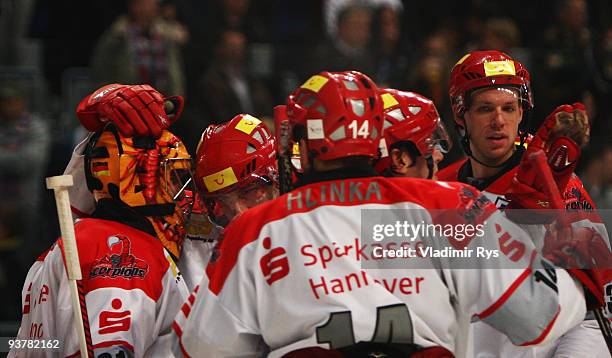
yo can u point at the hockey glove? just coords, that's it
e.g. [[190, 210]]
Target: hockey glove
[[585, 255], [559, 137], [136, 110]]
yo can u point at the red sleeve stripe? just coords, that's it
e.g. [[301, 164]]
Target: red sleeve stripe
[[179, 333], [545, 332], [500, 301], [186, 309], [44, 254], [177, 329]]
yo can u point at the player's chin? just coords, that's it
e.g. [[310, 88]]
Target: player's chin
[[497, 153]]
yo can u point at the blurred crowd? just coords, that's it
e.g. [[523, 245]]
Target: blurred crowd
[[240, 56]]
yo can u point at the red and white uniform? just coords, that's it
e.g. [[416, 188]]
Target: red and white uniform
[[195, 252], [132, 289], [288, 275], [586, 339]]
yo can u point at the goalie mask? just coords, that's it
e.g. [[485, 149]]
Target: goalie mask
[[236, 167], [152, 176]]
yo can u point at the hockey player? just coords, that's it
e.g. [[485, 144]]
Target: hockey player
[[491, 100], [288, 279], [414, 138], [242, 144], [235, 170], [131, 288]]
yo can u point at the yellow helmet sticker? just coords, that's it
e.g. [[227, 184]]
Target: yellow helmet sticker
[[295, 150], [100, 169], [462, 59], [315, 83], [495, 68], [220, 179], [388, 100], [247, 124]]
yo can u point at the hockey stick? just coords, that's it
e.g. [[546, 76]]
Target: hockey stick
[[283, 148], [538, 160], [59, 185]]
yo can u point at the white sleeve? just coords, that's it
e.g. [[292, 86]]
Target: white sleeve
[[205, 325], [498, 291], [81, 199], [583, 341]]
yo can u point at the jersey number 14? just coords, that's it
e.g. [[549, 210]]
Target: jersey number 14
[[393, 325]]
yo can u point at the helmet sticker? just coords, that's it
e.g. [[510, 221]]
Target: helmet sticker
[[495, 68], [388, 100], [315, 129], [247, 124], [315, 83], [220, 179], [462, 59], [100, 168]]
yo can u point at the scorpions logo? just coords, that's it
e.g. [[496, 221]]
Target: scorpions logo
[[122, 264]]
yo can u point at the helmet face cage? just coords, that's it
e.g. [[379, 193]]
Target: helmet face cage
[[146, 174], [410, 117], [138, 174], [178, 176], [223, 207], [339, 114], [484, 69]]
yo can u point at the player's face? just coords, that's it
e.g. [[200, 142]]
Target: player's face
[[403, 165], [492, 122], [231, 204]]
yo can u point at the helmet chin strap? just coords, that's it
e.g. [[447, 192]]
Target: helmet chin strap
[[430, 165]]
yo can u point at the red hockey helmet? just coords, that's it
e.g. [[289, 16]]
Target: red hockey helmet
[[234, 154], [232, 161], [411, 117], [481, 69], [339, 114]]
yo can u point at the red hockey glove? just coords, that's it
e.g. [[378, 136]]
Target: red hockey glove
[[136, 110], [559, 137], [585, 255]]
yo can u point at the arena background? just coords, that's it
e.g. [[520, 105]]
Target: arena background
[[233, 56]]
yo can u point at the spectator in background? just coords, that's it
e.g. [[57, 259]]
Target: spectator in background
[[348, 46], [566, 58], [140, 47], [176, 29], [24, 143], [499, 33], [428, 75], [226, 88], [596, 173], [387, 45]]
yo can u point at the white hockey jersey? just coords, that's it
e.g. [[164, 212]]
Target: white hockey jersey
[[586, 339], [131, 286], [291, 273]]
